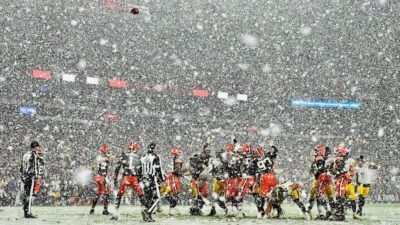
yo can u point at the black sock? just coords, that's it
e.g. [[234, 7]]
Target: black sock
[[221, 204], [118, 201], [340, 206], [260, 202], [300, 204], [94, 201], [332, 205], [353, 206], [361, 202], [310, 204], [105, 202], [173, 201]]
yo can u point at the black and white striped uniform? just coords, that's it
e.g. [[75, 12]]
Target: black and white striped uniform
[[152, 175], [32, 169]]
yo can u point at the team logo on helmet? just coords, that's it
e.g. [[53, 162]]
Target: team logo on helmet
[[342, 151]]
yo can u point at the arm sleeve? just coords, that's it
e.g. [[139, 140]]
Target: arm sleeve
[[320, 165], [30, 166], [160, 173], [118, 167], [274, 153], [22, 167]]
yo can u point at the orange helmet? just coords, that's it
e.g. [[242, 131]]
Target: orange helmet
[[176, 151], [104, 149], [230, 147], [320, 150], [341, 150], [133, 146], [246, 148], [260, 151]]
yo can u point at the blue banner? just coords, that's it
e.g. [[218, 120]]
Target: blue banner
[[27, 111], [326, 104]]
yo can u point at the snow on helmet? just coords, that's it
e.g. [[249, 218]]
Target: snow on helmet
[[104, 149], [230, 147], [176, 151], [341, 150], [133, 146]]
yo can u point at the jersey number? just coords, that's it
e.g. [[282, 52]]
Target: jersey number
[[103, 165], [146, 167]]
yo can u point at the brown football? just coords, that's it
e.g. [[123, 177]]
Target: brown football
[[135, 11]]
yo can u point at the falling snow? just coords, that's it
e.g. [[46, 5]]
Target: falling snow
[[75, 75], [249, 40]]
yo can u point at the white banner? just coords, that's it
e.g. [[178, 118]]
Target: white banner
[[241, 97], [223, 95], [68, 77], [92, 80]]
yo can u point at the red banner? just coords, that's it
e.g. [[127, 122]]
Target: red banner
[[253, 129], [200, 93], [110, 117], [117, 84], [41, 74]]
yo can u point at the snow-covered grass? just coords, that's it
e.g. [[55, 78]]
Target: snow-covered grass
[[79, 215]]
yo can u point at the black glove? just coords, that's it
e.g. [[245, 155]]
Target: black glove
[[24, 178], [327, 152]]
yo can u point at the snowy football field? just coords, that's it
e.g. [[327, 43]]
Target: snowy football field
[[79, 215]]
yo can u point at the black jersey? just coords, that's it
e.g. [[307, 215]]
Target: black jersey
[[318, 166], [204, 158], [233, 162], [130, 163], [218, 168], [265, 165], [249, 165], [196, 167], [151, 166], [32, 165], [198, 164], [103, 163]]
